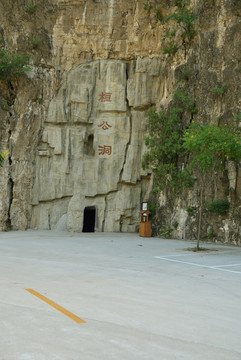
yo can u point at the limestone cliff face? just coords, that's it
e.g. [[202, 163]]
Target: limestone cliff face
[[75, 125], [91, 148]]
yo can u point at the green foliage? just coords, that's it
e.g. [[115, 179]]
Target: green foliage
[[5, 107], [210, 145], [190, 210], [219, 207], [175, 225], [210, 235], [35, 42], [185, 74], [182, 97], [164, 144], [219, 90], [148, 6], [181, 3], [152, 208], [185, 18], [13, 65], [1, 160], [207, 147], [238, 118], [166, 231], [3, 157], [158, 13], [170, 49], [31, 8], [170, 33]]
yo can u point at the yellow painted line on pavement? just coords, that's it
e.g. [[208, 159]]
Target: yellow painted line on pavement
[[57, 307]]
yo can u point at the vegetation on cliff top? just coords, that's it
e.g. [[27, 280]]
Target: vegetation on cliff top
[[181, 22]]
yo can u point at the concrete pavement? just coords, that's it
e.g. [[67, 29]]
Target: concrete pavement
[[141, 298]]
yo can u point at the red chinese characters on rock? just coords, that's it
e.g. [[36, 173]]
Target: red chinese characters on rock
[[105, 97], [105, 149], [105, 125]]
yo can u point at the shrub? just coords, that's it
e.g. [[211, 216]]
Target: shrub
[[182, 97], [171, 49], [35, 42], [5, 107], [164, 143], [1, 160], [219, 90], [152, 208], [148, 6], [166, 231], [219, 207], [185, 18], [170, 33], [238, 118], [211, 145], [13, 65], [3, 157], [158, 13], [181, 3], [210, 235], [190, 210], [185, 74], [175, 225], [31, 8]]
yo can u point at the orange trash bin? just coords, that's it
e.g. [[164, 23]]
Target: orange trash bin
[[145, 224]]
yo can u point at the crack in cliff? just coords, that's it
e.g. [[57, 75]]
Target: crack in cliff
[[51, 201], [70, 124], [130, 137], [101, 195], [105, 211]]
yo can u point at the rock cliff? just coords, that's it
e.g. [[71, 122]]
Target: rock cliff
[[75, 124]]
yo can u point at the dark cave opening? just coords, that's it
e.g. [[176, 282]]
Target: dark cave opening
[[89, 219]]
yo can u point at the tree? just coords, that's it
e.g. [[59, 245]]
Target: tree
[[13, 65], [209, 147], [204, 148], [164, 143]]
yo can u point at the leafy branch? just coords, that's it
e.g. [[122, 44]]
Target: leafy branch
[[183, 19], [164, 143], [13, 65]]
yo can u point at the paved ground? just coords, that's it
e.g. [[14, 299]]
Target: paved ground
[[141, 298]]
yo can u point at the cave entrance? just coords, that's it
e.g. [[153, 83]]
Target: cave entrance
[[89, 219]]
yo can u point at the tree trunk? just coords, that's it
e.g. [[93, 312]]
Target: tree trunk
[[200, 215]]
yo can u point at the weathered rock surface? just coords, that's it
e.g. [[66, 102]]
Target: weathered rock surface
[[90, 150]]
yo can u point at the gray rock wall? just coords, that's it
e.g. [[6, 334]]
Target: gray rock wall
[[91, 147]]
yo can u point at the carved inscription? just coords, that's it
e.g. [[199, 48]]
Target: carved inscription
[[105, 149]]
